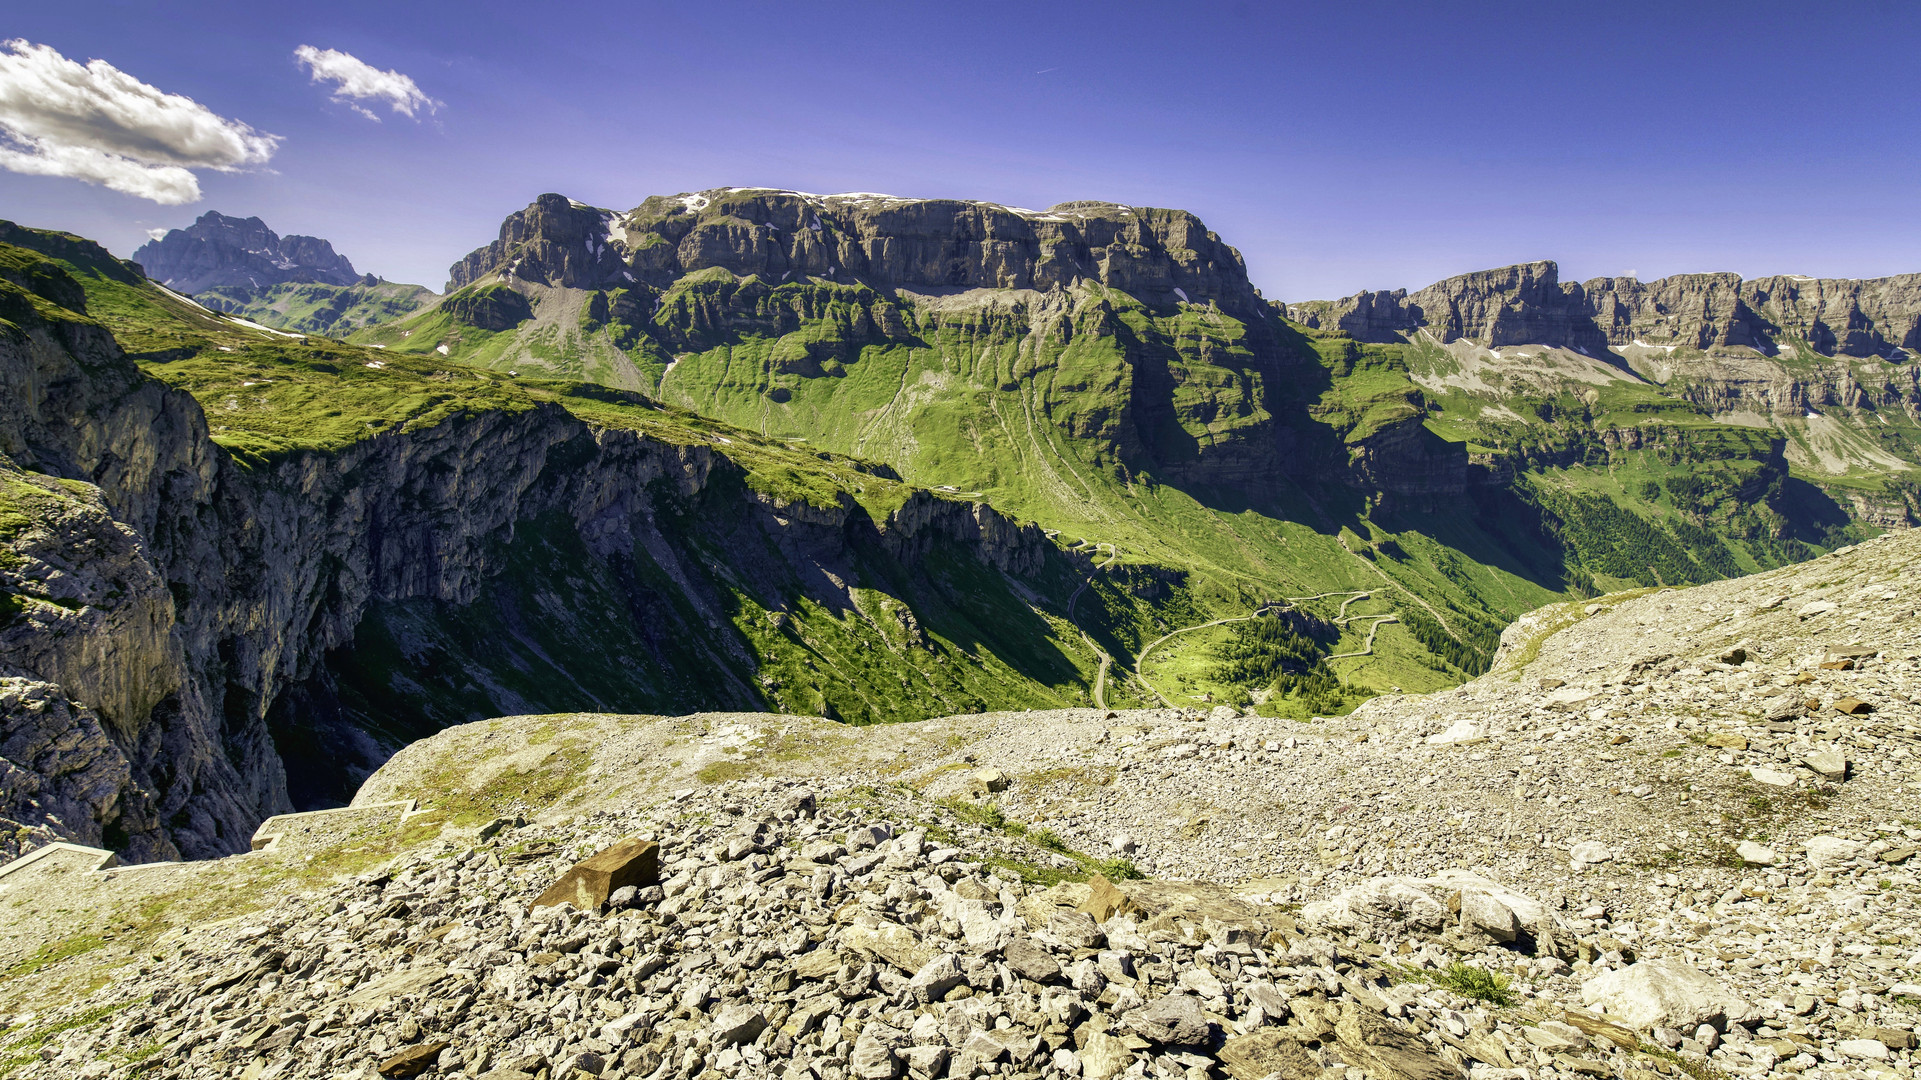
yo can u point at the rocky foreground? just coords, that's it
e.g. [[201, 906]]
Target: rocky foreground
[[1671, 832]]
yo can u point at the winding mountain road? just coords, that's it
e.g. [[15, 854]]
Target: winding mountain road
[[1340, 619]]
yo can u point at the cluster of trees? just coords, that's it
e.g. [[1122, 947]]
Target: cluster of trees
[[1286, 652]]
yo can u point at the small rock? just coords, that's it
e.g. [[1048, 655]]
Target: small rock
[[1827, 851], [925, 1062], [1865, 1049], [1894, 1038], [589, 883], [1461, 731], [1728, 740], [1030, 961], [1555, 1036], [1173, 1019], [1589, 852], [1076, 929], [1830, 763], [1853, 706], [1770, 777], [990, 779], [1666, 992], [938, 976], [1267, 1053], [1757, 854], [418, 1059], [874, 1057], [736, 1024]]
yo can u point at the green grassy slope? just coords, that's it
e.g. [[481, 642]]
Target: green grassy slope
[[1221, 459], [718, 605], [315, 308]]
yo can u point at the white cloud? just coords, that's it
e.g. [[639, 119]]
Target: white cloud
[[96, 123], [158, 233], [357, 81]]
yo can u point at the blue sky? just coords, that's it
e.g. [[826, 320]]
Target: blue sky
[[1339, 146]]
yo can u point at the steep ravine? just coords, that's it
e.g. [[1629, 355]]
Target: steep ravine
[[178, 626]]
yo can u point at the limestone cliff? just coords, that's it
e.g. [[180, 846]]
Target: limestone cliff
[[887, 242], [1528, 304], [178, 626]]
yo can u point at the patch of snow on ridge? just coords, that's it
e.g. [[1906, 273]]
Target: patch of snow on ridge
[[251, 325], [695, 203], [1644, 345], [185, 299], [1182, 293]]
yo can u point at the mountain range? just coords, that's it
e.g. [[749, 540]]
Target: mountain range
[[849, 456], [240, 266]]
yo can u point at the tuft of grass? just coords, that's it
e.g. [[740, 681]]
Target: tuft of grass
[[721, 772], [1477, 983], [1048, 839], [53, 953]]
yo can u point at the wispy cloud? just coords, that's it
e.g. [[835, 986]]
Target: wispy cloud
[[96, 123], [357, 81]]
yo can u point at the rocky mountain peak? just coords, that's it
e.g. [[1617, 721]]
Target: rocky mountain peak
[[218, 250], [882, 240]]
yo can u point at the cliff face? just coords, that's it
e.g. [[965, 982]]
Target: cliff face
[[920, 244], [1528, 305], [1514, 305], [174, 624], [218, 250]]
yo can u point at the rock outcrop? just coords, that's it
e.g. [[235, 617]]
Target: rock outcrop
[[887, 242], [217, 250], [1527, 304]]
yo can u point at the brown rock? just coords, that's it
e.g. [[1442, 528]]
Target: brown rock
[[414, 1060], [1104, 899], [1728, 740], [1853, 706], [1264, 1053], [1388, 1052], [1596, 1028], [818, 964], [1893, 1038], [589, 882], [1837, 665]]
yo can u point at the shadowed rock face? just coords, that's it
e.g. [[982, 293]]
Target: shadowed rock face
[[926, 244], [218, 250], [1528, 305], [162, 605]]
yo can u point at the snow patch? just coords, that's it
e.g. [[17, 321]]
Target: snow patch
[[1639, 344], [185, 299], [251, 325], [1182, 293], [441, 349]]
